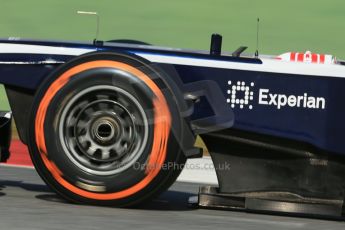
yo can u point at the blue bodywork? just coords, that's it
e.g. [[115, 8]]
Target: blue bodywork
[[321, 127]]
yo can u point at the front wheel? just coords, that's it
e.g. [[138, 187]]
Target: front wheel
[[106, 130]]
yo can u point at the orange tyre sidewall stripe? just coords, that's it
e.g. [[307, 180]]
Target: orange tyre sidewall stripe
[[162, 124]]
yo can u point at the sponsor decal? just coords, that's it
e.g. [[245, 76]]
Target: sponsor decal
[[240, 94], [243, 95]]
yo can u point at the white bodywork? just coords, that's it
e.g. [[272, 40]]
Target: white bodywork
[[269, 63]]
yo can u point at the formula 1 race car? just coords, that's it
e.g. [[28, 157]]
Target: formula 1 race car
[[112, 123]]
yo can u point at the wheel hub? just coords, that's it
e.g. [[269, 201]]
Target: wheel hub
[[103, 129]]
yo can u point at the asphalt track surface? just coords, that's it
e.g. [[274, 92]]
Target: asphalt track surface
[[27, 203]]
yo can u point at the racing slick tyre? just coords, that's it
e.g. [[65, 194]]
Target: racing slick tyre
[[105, 130]]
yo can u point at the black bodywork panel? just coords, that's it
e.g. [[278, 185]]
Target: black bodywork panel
[[271, 174], [5, 134], [21, 102]]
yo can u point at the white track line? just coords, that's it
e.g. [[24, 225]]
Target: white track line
[[16, 166], [199, 170]]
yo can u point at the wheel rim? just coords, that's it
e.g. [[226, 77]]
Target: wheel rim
[[103, 130]]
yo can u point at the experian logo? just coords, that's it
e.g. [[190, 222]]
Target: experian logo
[[282, 100], [243, 95]]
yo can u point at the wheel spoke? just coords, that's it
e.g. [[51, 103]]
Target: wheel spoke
[[118, 111], [119, 149], [89, 111], [82, 124], [126, 137], [81, 132], [91, 150], [103, 106], [102, 97], [83, 139], [105, 155], [123, 102]]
